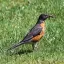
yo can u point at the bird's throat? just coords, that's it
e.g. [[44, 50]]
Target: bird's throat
[[40, 21]]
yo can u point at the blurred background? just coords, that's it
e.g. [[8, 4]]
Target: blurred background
[[17, 17]]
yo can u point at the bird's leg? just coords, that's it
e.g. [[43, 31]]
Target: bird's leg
[[34, 45]]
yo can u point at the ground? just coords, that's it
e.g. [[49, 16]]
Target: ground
[[16, 19]]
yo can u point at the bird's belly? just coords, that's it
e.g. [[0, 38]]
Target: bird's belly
[[38, 37]]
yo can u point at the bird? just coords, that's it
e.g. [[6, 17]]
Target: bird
[[35, 34]]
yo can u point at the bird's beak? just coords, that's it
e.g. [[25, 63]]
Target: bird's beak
[[51, 16]]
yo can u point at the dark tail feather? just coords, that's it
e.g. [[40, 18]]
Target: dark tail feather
[[16, 45]]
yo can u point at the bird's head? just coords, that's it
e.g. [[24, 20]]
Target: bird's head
[[43, 17]]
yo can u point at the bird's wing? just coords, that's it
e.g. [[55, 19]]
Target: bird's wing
[[32, 33]]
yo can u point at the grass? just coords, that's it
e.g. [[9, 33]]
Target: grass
[[17, 17]]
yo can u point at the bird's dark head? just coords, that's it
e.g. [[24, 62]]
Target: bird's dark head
[[43, 17]]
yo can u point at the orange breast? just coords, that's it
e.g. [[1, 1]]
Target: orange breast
[[38, 37]]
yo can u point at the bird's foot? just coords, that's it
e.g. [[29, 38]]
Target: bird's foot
[[35, 46]]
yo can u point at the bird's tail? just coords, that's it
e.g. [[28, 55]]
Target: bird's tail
[[16, 45]]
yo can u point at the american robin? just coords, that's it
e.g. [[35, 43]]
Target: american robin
[[36, 33]]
